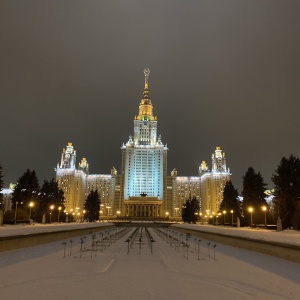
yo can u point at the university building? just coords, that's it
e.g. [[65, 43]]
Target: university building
[[142, 189]]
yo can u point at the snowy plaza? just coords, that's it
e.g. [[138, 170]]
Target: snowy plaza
[[115, 264]]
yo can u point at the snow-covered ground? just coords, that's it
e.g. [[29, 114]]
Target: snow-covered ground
[[11, 230], [291, 237], [42, 272]]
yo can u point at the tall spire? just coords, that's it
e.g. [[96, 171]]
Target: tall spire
[[146, 108], [146, 91]]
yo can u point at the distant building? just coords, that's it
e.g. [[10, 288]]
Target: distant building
[[143, 188], [7, 197]]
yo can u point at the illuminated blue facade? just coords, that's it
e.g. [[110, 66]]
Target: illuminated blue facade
[[144, 155]]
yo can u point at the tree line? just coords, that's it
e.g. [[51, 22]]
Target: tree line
[[45, 203], [285, 205]]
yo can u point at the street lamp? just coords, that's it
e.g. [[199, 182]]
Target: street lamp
[[31, 204], [83, 213], [16, 212], [51, 208], [231, 217], [176, 212], [59, 209], [108, 208], [250, 210], [224, 213], [264, 208], [167, 214], [75, 214]]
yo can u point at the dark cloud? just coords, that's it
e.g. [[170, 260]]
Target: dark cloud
[[223, 73]]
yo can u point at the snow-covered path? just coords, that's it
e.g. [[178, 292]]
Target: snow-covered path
[[13, 230], [43, 272]]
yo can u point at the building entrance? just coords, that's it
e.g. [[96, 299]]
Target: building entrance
[[148, 207]]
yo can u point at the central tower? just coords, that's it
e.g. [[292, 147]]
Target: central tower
[[145, 124], [144, 162]]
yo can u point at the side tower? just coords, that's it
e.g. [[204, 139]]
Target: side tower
[[213, 182], [72, 181], [218, 161], [68, 157], [144, 164]]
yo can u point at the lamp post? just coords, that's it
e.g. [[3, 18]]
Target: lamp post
[[77, 213], [71, 215], [264, 208], [176, 212], [231, 217], [224, 213], [251, 211], [51, 208], [31, 204], [16, 212], [108, 208], [83, 215], [59, 209]]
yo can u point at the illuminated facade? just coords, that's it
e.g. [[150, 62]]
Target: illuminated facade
[[71, 180], [144, 164], [207, 187], [142, 189], [77, 183]]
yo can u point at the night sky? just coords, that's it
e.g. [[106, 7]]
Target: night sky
[[223, 73]]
